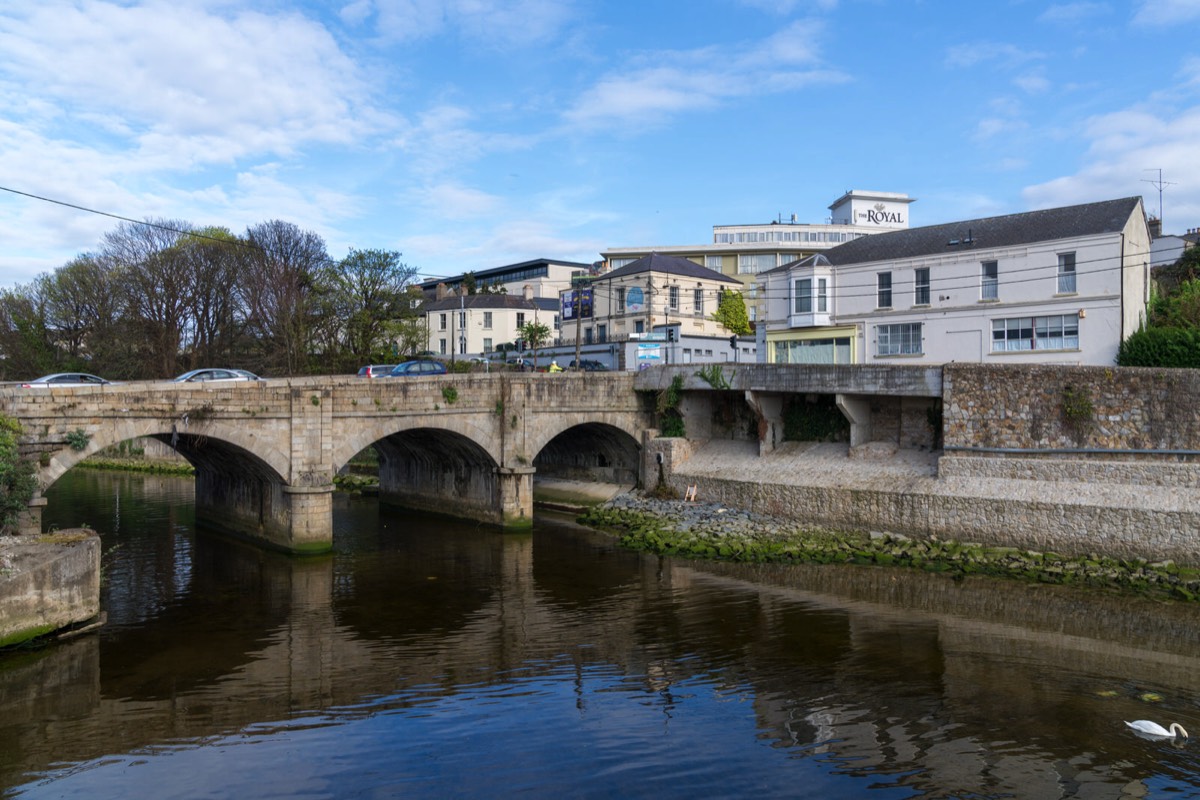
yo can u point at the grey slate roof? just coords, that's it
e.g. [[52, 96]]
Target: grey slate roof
[[671, 265], [1047, 225], [484, 301]]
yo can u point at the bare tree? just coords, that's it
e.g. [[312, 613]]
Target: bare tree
[[279, 291], [368, 290]]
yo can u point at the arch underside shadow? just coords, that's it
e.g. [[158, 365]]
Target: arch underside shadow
[[439, 471], [593, 452]]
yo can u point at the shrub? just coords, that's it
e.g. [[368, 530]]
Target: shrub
[[1161, 347]]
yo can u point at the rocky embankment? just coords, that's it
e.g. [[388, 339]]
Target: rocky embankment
[[713, 531]]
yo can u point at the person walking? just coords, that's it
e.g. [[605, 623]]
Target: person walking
[[554, 367]]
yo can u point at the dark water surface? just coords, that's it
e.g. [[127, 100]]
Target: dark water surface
[[427, 659]]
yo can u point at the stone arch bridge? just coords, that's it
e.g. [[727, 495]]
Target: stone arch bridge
[[266, 452]]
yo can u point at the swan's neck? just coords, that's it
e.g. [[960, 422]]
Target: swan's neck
[[1182, 732]]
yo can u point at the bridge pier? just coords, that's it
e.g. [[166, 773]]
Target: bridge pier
[[296, 519], [29, 522], [515, 501]]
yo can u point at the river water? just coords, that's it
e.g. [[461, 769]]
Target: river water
[[427, 658]]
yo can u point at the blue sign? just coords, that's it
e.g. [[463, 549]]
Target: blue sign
[[583, 303], [635, 300]]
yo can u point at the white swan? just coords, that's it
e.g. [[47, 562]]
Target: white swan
[[1154, 729]]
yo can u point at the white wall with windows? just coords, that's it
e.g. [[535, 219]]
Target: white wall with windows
[[1067, 301]]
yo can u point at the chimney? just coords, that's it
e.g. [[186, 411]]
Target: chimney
[[1155, 227], [440, 292], [527, 292]]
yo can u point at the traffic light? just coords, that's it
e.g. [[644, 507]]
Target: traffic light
[[670, 334], [733, 342]]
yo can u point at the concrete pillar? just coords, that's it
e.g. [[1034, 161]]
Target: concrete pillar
[[310, 518], [857, 409], [29, 521], [769, 408], [514, 489]]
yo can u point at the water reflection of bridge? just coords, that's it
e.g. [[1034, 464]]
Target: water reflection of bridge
[[970, 653]]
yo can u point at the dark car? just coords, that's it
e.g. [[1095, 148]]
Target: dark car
[[65, 379], [214, 375], [376, 370], [415, 369], [590, 366]]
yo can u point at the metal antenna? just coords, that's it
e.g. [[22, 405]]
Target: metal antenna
[[1158, 184]]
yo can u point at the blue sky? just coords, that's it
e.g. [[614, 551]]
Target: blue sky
[[469, 134]]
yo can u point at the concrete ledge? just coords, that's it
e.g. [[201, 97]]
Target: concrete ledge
[[47, 582]]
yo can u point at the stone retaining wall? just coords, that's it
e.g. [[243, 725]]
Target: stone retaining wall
[[1024, 514]]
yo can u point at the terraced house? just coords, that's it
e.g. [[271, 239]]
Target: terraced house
[[1057, 286]]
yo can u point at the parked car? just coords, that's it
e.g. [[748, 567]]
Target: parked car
[[376, 370], [415, 369], [216, 375], [66, 379], [590, 366]]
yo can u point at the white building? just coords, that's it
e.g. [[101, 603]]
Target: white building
[[545, 277], [1062, 285], [743, 251]]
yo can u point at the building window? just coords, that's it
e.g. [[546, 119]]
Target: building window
[[921, 286], [698, 301], [462, 320], [462, 345], [442, 346], [883, 290], [753, 264], [1057, 332], [487, 320], [673, 297], [617, 263], [556, 322], [487, 345], [822, 295], [1066, 273], [898, 340], [441, 322], [639, 327], [804, 296], [520, 320], [587, 335], [621, 300], [601, 333], [713, 263], [989, 281]]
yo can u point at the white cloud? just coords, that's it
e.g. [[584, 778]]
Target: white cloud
[[1166, 12], [1032, 82], [660, 85], [975, 53], [1126, 150], [1073, 13], [494, 24]]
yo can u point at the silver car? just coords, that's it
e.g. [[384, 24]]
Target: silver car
[[66, 379], [214, 375]]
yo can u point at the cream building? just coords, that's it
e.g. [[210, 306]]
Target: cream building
[[474, 325], [654, 291]]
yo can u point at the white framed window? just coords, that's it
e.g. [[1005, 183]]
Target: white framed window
[[883, 290], [441, 322], [462, 320], [921, 286], [487, 320], [822, 295], [442, 346], [487, 345], [989, 280], [617, 263], [803, 296], [621, 300], [556, 322], [520, 319], [698, 302], [1066, 273], [752, 264], [903, 339], [713, 263], [1055, 332], [673, 297]]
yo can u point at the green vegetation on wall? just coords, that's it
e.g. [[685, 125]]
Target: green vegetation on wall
[[17, 481], [670, 419]]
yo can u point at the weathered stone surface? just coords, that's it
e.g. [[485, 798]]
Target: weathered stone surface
[[47, 583]]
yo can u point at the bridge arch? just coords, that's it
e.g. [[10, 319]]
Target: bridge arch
[[597, 451], [365, 435], [205, 445]]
